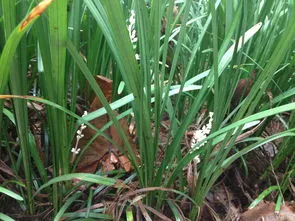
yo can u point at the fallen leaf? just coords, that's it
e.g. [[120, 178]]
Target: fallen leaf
[[242, 90], [108, 165], [125, 163], [266, 211], [100, 147]]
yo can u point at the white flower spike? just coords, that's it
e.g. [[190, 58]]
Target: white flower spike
[[75, 150], [200, 135]]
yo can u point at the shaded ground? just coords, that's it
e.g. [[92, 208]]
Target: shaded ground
[[228, 199]]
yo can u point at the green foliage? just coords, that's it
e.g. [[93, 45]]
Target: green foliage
[[191, 57]]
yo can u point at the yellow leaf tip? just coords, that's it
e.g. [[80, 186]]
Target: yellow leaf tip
[[37, 11]]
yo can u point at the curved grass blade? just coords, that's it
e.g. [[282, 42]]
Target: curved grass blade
[[92, 178], [10, 193], [5, 217], [262, 195], [9, 115]]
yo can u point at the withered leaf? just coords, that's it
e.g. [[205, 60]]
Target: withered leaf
[[95, 153], [125, 163], [266, 211]]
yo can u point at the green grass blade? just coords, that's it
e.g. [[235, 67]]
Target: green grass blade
[[57, 17], [10, 193], [264, 194], [5, 217], [66, 205], [92, 178]]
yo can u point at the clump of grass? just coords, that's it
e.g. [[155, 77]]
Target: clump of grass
[[174, 58]]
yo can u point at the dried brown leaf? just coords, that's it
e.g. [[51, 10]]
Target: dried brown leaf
[[93, 156], [266, 211]]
